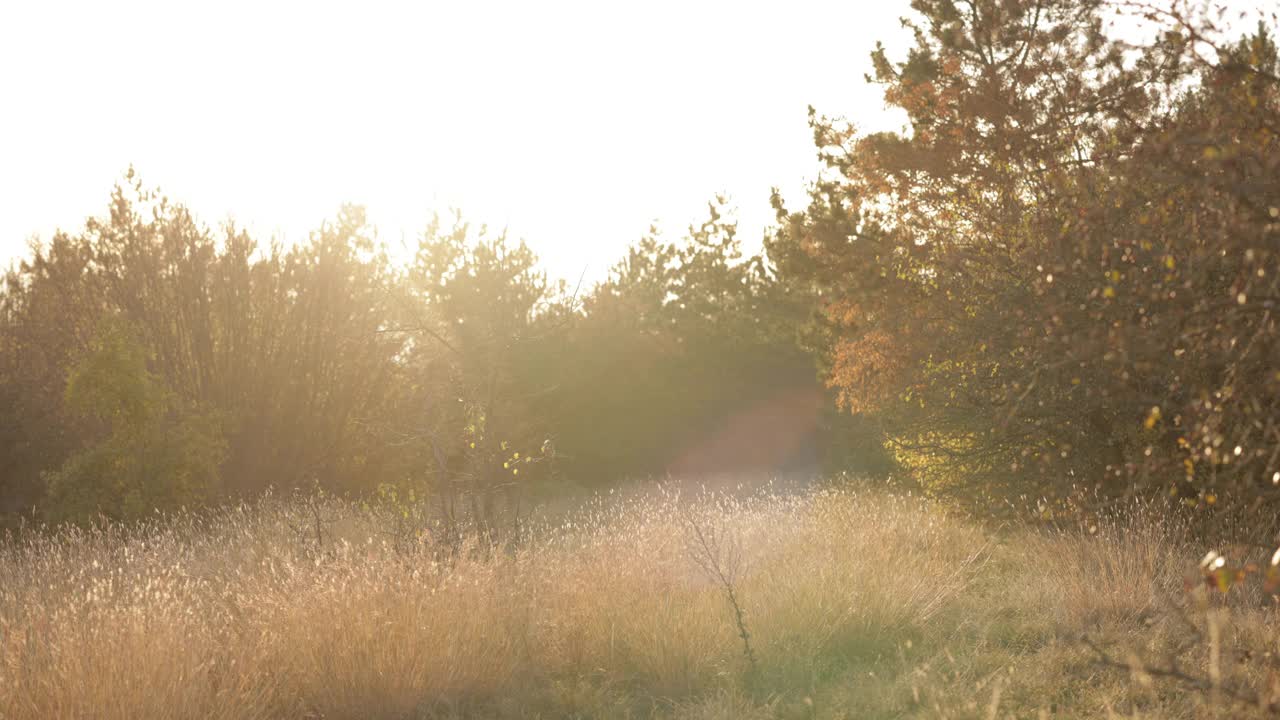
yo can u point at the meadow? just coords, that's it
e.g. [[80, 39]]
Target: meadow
[[855, 604]]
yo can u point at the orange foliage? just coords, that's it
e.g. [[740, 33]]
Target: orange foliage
[[865, 370]]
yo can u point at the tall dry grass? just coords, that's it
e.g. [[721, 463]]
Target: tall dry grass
[[859, 604]]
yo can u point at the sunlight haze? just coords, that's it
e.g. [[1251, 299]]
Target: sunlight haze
[[992, 431], [575, 125]]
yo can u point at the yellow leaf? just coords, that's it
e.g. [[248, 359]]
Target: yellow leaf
[[1224, 578]]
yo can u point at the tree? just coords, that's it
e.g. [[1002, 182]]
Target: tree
[[48, 307], [480, 321], [1046, 283], [685, 361], [284, 346]]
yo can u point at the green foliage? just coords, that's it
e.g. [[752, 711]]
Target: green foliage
[[154, 456], [112, 384]]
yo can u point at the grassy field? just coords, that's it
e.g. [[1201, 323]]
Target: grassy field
[[856, 605]]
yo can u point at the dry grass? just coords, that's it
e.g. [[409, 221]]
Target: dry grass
[[859, 605]]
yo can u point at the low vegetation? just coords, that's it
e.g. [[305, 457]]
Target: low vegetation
[[858, 604]]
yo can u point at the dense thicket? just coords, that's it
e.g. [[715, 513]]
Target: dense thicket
[[1062, 276]]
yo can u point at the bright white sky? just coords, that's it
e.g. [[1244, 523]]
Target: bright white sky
[[575, 124]]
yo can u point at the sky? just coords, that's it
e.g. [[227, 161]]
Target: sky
[[575, 125]]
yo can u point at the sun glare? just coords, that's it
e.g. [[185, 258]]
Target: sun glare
[[575, 125]]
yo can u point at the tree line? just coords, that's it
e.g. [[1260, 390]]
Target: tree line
[[152, 362], [1058, 281]]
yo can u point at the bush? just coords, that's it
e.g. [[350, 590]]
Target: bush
[[153, 456]]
